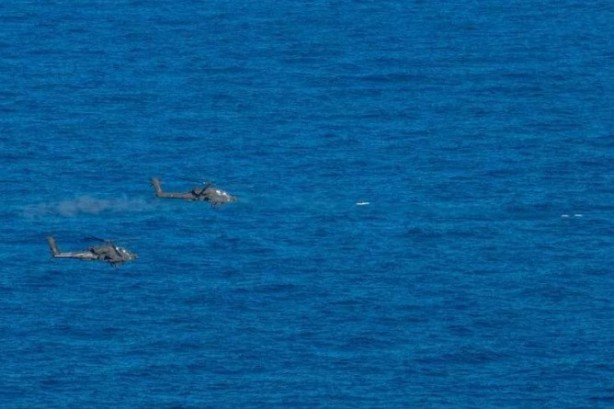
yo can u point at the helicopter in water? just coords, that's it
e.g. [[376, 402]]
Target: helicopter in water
[[107, 252], [207, 193]]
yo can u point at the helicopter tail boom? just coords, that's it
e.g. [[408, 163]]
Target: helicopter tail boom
[[169, 195]]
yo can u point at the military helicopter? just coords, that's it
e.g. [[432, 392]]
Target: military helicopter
[[107, 252], [207, 193]]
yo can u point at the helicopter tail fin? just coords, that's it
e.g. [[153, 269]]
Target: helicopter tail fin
[[53, 246], [156, 184]]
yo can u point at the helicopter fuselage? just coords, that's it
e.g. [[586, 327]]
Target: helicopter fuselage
[[207, 193], [108, 253]]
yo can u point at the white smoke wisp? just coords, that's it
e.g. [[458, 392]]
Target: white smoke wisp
[[87, 205]]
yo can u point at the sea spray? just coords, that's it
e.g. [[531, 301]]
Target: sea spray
[[87, 205]]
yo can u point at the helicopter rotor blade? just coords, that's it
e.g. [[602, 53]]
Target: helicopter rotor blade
[[199, 181], [110, 240], [94, 238]]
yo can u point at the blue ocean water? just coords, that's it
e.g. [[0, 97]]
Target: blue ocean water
[[479, 274]]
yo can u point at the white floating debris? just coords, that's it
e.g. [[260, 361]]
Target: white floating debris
[[362, 203], [566, 216]]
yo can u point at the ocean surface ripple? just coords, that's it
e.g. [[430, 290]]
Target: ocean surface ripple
[[425, 214]]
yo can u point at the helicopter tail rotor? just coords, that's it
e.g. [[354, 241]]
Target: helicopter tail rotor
[[53, 246], [156, 184]]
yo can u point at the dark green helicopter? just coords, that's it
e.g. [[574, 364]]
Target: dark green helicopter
[[107, 252], [207, 193]]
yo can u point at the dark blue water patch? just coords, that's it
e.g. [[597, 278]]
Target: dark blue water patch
[[479, 136]]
